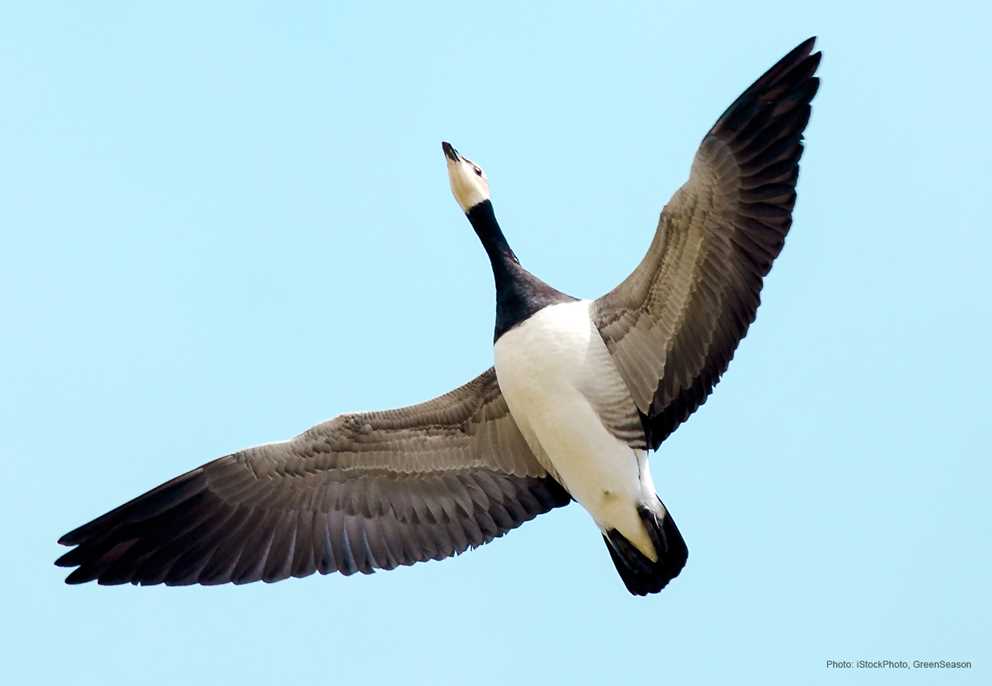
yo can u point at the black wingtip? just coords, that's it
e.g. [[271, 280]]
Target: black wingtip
[[73, 537], [797, 54], [80, 575], [802, 50]]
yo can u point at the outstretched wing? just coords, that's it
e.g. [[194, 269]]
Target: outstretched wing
[[359, 492], [673, 324]]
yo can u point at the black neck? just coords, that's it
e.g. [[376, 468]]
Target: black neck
[[519, 294], [483, 219]]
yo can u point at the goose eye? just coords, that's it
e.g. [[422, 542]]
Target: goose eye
[[478, 172]]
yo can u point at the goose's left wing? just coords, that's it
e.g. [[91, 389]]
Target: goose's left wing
[[672, 326], [363, 491]]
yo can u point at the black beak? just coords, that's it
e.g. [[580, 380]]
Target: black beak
[[450, 152]]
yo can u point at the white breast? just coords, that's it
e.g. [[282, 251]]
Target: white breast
[[554, 371], [555, 350]]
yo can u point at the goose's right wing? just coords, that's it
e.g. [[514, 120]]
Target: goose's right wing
[[674, 323], [363, 491]]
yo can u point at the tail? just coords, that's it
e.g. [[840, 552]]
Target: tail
[[640, 575]]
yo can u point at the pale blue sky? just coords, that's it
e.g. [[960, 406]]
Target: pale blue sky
[[222, 223]]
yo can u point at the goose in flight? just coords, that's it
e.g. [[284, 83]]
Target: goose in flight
[[580, 392]]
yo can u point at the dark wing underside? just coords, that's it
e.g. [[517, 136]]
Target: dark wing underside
[[357, 493], [672, 326]]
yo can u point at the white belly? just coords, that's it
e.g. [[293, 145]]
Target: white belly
[[553, 370]]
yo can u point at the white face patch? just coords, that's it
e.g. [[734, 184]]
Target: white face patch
[[469, 184]]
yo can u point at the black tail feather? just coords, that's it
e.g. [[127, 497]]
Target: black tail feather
[[640, 575]]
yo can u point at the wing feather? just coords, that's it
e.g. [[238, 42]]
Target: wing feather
[[672, 326], [361, 492]]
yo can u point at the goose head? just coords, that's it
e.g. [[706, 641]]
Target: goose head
[[469, 184]]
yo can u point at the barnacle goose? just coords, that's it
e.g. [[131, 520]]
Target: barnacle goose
[[580, 392]]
